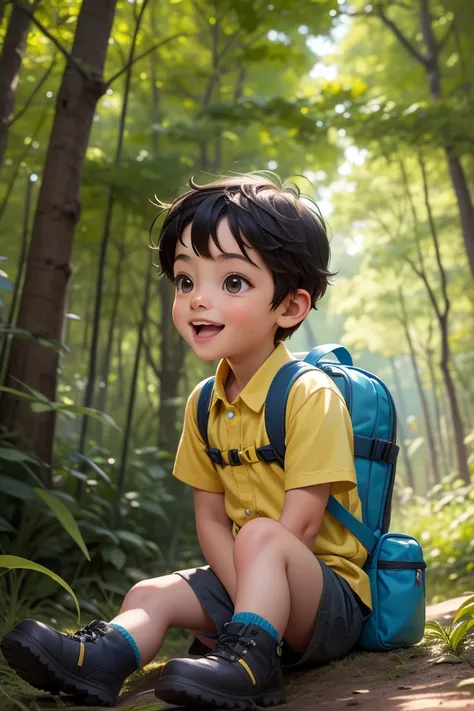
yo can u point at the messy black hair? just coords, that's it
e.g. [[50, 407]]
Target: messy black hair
[[284, 226]]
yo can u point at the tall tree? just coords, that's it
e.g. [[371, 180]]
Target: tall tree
[[49, 258], [429, 58], [10, 63]]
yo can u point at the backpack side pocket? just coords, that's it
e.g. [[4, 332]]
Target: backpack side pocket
[[396, 570]]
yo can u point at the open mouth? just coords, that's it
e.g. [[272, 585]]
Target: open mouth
[[206, 330]]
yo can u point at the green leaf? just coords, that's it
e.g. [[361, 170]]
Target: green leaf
[[65, 518], [460, 633], [15, 562], [90, 412], [93, 465], [130, 537], [467, 608], [17, 393], [16, 488], [115, 555], [467, 684], [435, 631], [15, 455], [43, 407], [449, 659], [154, 508]]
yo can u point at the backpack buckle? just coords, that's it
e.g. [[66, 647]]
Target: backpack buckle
[[249, 455], [381, 449]]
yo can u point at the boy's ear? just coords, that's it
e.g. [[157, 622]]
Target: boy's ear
[[294, 309]]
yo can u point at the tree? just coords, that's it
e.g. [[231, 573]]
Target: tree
[[10, 62], [49, 257], [429, 58]]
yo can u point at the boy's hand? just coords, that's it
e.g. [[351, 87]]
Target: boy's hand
[[303, 511], [214, 529]]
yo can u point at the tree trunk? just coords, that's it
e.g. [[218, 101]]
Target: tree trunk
[[437, 409], [48, 265], [91, 371], [173, 351], [11, 318], [430, 62], [456, 171], [10, 62], [459, 434], [442, 315], [104, 378], [401, 424], [433, 472], [19, 162], [133, 388]]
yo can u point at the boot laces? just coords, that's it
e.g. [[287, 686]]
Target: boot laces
[[90, 632], [231, 646]]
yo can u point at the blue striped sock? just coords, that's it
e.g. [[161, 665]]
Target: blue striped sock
[[250, 618], [125, 633]]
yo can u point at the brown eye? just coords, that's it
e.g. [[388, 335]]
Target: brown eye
[[236, 284], [183, 284]]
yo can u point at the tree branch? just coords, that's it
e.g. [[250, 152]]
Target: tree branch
[[33, 94], [145, 54], [404, 41], [53, 39]]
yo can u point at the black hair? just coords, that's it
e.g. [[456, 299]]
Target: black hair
[[283, 225]]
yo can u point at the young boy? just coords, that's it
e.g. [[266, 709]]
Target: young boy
[[284, 583]]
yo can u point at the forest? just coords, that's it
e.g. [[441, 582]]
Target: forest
[[108, 106]]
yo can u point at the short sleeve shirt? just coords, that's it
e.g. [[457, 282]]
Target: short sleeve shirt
[[319, 450]]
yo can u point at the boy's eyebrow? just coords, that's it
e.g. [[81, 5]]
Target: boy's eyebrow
[[221, 257]]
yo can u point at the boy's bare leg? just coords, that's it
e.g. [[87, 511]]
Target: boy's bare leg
[[278, 578], [152, 606]]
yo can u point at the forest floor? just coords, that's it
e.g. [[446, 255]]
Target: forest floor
[[403, 680]]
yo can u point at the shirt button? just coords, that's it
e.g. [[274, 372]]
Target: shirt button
[[248, 512], [230, 415]]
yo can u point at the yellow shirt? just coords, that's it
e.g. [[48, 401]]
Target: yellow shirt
[[319, 450]]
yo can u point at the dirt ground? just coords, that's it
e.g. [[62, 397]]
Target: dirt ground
[[404, 680]]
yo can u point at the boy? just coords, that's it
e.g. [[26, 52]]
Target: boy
[[284, 583]]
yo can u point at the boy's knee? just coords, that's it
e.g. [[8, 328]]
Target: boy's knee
[[145, 589], [255, 535]]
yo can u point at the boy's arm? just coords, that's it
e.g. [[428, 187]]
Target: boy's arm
[[214, 530], [319, 458], [303, 511]]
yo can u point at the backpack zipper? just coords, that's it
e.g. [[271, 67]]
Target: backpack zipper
[[419, 567]]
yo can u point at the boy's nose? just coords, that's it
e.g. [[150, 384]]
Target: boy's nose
[[199, 301]]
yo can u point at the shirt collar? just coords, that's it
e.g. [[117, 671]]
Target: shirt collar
[[256, 390]]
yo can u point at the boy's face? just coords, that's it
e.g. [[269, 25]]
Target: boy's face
[[222, 306]]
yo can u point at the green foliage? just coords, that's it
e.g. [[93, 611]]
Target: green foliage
[[455, 635]]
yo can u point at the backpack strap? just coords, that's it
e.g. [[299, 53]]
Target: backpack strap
[[275, 424], [318, 353], [234, 457]]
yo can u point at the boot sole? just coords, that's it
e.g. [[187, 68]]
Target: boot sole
[[182, 692], [32, 662]]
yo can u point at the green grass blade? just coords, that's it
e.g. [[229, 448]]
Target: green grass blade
[[14, 562], [65, 518]]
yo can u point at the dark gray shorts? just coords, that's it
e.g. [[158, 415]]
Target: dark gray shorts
[[338, 622]]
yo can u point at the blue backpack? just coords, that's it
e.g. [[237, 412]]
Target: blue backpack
[[395, 564]]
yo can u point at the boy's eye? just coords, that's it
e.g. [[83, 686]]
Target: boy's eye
[[236, 284], [183, 284]]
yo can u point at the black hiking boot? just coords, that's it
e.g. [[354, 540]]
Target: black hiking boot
[[91, 664], [241, 672]]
